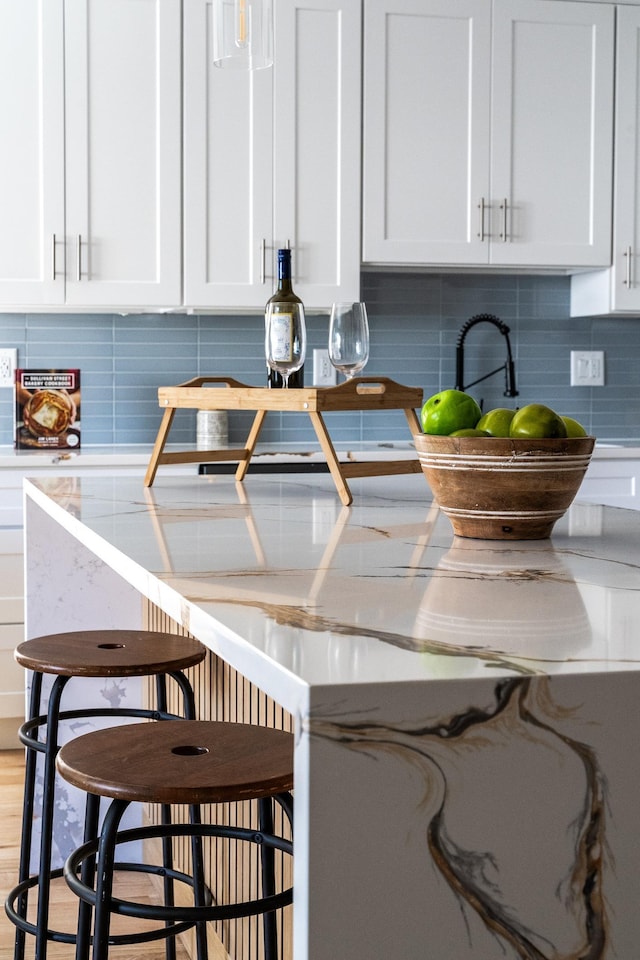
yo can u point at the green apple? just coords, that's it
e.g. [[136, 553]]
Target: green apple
[[574, 428], [470, 432], [535, 421], [496, 422], [449, 410]]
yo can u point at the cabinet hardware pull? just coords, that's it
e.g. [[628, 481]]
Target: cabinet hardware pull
[[504, 206], [481, 208], [53, 256], [79, 258], [627, 279], [263, 254]]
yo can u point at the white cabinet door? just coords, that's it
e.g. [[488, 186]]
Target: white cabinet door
[[123, 170], [426, 131], [488, 132], [617, 290], [272, 158], [552, 132], [228, 186], [317, 133], [614, 482], [32, 155], [625, 275]]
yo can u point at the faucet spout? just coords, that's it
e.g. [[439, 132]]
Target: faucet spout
[[508, 366]]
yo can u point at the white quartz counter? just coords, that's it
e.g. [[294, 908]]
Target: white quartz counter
[[466, 711], [328, 594]]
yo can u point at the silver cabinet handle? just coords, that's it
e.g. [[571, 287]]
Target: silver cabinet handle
[[263, 255], [79, 258], [504, 206], [482, 208], [627, 279], [53, 256]]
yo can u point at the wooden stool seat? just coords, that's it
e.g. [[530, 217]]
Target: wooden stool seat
[[181, 761], [109, 653]]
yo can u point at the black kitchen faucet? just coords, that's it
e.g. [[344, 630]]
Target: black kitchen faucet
[[508, 366]]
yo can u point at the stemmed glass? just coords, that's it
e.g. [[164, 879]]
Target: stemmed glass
[[285, 338], [349, 338]]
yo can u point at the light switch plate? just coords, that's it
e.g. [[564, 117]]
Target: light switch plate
[[587, 368]]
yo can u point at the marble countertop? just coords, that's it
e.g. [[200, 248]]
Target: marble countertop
[[277, 577]]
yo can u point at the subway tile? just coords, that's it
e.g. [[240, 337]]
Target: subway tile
[[415, 320]]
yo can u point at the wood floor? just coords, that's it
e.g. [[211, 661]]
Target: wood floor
[[63, 910]]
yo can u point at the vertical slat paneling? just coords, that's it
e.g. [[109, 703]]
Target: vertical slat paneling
[[233, 869]]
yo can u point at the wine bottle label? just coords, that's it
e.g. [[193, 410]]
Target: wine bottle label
[[281, 337]]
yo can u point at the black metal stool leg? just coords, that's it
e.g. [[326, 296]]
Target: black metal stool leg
[[267, 857], [199, 885], [189, 700], [165, 818], [87, 875], [189, 709], [31, 763], [48, 801], [202, 949], [104, 882]]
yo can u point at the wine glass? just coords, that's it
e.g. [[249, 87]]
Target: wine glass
[[285, 338], [349, 338]]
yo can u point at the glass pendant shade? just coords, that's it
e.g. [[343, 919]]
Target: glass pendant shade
[[243, 34]]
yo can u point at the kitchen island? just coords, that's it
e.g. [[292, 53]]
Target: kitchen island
[[466, 712]]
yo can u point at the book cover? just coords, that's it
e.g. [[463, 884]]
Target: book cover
[[47, 409]]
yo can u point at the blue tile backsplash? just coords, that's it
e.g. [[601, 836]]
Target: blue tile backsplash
[[415, 320]]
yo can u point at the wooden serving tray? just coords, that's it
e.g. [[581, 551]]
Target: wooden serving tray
[[361, 393]]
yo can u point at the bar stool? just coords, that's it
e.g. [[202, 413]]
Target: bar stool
[[96, 653], [177, 762]]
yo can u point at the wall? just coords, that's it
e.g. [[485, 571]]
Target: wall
[[414, 319]]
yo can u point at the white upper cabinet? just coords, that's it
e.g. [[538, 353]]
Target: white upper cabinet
[[552, 132], [122, 137], [32, 155], [426, 130], [228, 178], [488, 132], [272, 158], [317, 136], [90, 185], [617, 290]]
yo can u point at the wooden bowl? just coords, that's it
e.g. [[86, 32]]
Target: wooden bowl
[[498, 488]]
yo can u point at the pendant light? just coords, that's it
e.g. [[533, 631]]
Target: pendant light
[[243, 34]]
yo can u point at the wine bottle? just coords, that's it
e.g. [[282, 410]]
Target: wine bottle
[[284, 295]]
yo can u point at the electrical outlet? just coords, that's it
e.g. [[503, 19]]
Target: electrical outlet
[[8, 364], [324, 373], [587, 368]]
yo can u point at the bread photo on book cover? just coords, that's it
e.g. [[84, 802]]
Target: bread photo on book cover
[[48, 413]]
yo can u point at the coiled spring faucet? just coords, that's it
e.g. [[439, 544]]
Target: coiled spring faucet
[[508, 366]]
